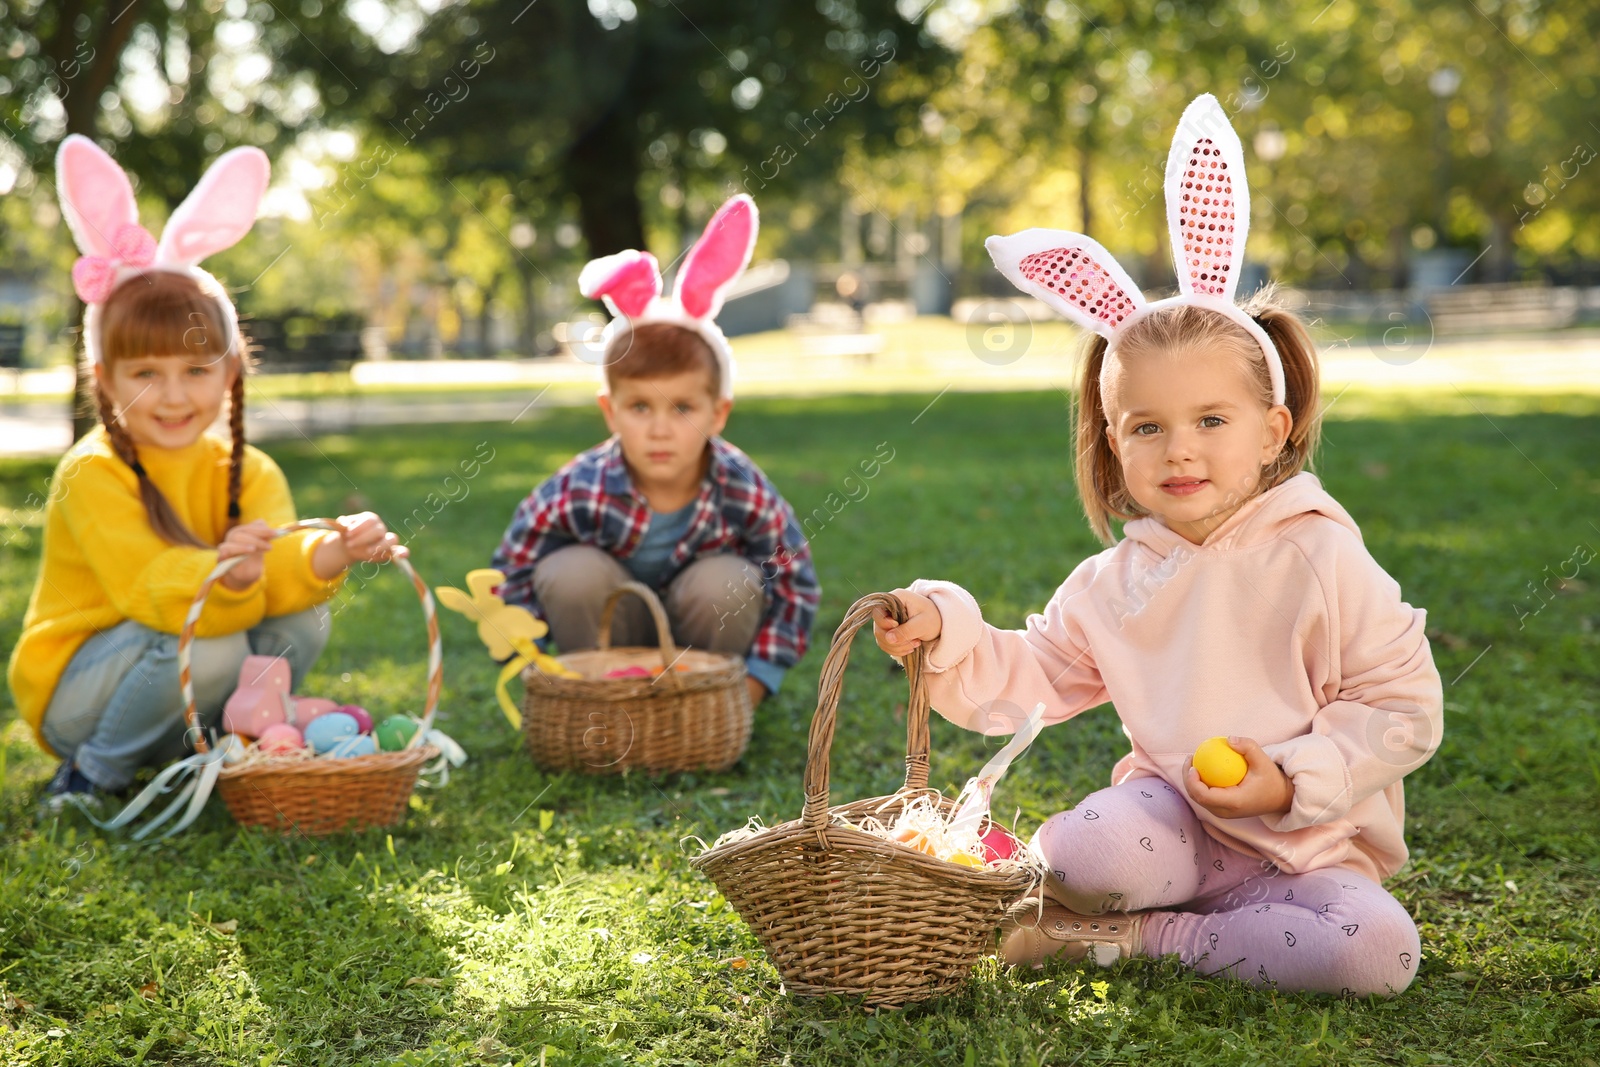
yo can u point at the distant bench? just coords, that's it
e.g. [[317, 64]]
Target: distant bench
[[1502, 308], [12, 336], [305, 343]]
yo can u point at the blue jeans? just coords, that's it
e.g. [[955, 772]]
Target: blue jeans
[[118, 706]]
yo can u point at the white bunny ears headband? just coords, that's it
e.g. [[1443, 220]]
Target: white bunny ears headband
[[630, 283], [1208, 216], [97, 201]]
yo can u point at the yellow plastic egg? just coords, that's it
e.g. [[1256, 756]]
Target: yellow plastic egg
[[1219, 765], [965, 859]]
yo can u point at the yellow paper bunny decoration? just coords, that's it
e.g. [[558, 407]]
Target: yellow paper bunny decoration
[[506, 630]]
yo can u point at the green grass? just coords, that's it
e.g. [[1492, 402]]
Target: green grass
[[524, 917]]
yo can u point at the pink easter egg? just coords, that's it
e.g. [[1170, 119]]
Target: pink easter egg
[[359, 714], [999, 844], [309, 709], [628, 672], [280, 737]]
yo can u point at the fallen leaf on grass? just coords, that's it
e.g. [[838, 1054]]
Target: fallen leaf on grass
[[150, 991], [435, 982], [16, 1003], [231, 926]]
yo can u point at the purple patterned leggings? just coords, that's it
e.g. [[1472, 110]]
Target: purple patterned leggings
[[1139, 847]]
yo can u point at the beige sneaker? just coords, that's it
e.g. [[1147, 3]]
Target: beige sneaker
[[1055, 931]]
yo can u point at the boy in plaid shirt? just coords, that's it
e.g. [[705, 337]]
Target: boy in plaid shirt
[[666, 501]]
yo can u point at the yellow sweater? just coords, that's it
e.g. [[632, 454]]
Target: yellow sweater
[[103, 563]]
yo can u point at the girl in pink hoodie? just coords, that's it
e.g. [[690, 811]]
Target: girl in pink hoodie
[[1241, 603]]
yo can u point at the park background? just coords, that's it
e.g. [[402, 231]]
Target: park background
[[1422, 186]]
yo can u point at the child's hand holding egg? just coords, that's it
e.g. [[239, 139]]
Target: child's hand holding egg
[[1234, 778], [1219, 765]]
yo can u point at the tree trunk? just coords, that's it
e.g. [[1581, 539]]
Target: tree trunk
[[530, 312], [1083, 180], [486, 320], [82, 106], [602, 171]]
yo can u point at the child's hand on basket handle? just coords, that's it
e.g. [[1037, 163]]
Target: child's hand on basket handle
[[249, 539], [362, 537], [923, 623], [1265, 789]]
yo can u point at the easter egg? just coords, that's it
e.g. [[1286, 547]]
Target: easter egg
[[1219, 765], [359, 714], [309, 709], [627, 672], [964, 859], [279, 738], [1000, 844], [232, 747], [393, 733], [356, 745], [325, 731]]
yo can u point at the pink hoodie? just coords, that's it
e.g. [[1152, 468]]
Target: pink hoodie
[[1280, 627]]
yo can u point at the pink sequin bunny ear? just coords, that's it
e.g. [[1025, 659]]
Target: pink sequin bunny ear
[[218, 211], [1208, 201], [718, 258], [626, 281], [1071, 273]]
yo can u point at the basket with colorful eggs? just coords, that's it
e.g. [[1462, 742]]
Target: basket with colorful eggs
[[303, 764], [609, 710], [892, 899]]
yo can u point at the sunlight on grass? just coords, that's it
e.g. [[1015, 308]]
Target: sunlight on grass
[[518, 916]]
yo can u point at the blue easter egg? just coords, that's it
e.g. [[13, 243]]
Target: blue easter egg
[[359, 745], [325, 731]]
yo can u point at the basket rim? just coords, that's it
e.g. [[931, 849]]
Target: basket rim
[[351, 766], [729, 670], [794, 833]]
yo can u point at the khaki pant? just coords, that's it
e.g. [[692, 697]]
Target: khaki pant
[[715, 603]]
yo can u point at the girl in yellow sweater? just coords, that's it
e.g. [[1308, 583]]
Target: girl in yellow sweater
[[144, 507]]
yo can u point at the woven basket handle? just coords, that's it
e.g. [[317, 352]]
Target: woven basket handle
[[829, 687], [663, 628], [186, 637]]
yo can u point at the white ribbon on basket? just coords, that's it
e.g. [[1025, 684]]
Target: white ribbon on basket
[[973, 804], [204, 767]]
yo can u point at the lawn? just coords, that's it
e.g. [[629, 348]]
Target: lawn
[[523, 917]]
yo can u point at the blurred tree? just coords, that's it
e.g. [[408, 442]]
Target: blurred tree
[[166, 85], [586, 99]]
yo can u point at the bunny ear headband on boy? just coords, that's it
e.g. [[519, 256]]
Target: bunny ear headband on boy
[[97, 201], [630, 283], [1208, 216]]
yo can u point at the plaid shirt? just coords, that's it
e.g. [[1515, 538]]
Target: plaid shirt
[[592, 500]]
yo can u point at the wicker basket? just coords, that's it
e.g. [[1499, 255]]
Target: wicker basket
[[678, 721], [320, 796], [841, 911]]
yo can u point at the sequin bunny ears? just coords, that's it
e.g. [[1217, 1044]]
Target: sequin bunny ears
[[98, 203], [630, 283], [1208, 217]]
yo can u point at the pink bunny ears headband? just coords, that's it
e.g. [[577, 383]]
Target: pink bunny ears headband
[[1208, 216], [630, 283], [97, 201]]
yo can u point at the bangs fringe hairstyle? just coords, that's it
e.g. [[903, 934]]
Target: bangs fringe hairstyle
[[1101, 487], [659, 350], [170, 314]]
